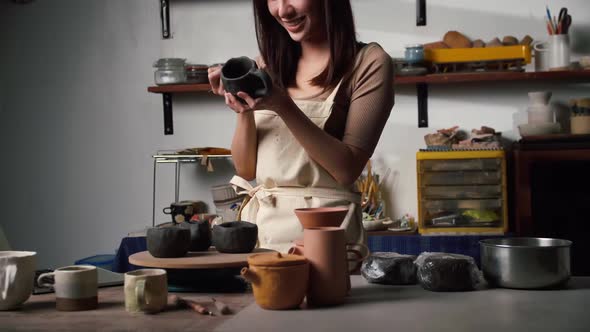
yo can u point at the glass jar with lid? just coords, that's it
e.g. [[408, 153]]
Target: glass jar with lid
[[196, 73], [170, 71]]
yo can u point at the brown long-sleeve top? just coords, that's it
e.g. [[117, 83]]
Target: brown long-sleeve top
[[364, 101]]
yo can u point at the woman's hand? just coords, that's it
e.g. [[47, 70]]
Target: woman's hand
[[278, 100], [275, 101], [214, 74]]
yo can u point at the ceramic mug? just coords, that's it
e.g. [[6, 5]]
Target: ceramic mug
[[146, 291], [553, 54], [17, 274], [542, 56], [242, 74], [414, 53], [76, 287], [183, 210], [559, 50]]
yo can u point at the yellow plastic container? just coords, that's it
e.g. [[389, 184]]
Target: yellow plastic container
[[462, 192], [480, 54]]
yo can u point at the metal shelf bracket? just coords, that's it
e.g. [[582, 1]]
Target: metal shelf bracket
[[168, 124], [420, 12], [165, 16], [422, 92]]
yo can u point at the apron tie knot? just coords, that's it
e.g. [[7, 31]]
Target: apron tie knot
[[241, 186]]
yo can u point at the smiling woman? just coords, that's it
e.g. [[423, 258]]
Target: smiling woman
[[308, 140]]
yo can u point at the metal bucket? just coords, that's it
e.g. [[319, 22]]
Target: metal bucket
[[525, 263]]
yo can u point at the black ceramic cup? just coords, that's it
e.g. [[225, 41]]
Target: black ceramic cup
[[242, 74], [168, 242], [200, 234], [235, 237], [183, 210]]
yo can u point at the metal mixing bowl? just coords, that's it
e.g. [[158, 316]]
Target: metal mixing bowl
[[525, 262]]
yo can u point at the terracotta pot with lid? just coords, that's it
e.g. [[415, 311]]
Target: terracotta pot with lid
[[279, 281]]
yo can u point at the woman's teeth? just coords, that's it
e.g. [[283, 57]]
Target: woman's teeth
[[294, 22]]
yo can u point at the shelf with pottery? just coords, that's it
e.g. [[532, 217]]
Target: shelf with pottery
[[561, 75], [421, 83]]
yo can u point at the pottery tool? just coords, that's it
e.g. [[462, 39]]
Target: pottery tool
[[221, 307], [179, 302]]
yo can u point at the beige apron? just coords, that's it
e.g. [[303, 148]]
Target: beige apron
[[287, 179]]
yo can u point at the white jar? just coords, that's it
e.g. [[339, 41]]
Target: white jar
[[539, 114]]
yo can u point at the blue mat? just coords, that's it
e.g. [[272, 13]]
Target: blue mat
[[416, 244], [403, 244], [128, 247]]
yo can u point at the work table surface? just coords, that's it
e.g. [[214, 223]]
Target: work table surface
[[369, 307]]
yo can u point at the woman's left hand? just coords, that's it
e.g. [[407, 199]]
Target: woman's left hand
[[277, 100]]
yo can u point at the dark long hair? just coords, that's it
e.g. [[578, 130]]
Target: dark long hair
[[281, 53]]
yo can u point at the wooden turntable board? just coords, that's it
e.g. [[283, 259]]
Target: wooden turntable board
[[211, 259]]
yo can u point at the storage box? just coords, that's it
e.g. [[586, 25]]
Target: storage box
[[462, 192]]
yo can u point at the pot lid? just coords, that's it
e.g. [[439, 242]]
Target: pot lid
[[276, 259]]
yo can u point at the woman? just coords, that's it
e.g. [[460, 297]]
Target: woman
[[308, 141]]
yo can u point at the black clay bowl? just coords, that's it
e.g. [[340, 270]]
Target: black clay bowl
[[200, 234], [168, 242], [235, 237]]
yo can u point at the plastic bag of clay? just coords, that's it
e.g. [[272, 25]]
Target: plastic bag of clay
[[389, 268], [442, 272]]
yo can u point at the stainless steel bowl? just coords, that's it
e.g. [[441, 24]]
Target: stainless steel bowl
[[525, 262]]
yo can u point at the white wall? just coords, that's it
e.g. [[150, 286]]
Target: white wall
[[77, 127]]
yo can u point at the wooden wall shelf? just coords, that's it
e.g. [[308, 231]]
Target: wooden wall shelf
[[179, 88], [575, 75], [421, 83]]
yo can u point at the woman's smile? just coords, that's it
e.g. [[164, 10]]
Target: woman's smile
[[294, 25]]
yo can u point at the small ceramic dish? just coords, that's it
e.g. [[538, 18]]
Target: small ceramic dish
[[539, 129], [377, 225]]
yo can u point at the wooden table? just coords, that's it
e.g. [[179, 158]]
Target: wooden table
[[369, 307], [39, 314]]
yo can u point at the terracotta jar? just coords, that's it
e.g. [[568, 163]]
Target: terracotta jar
[[279, 281], [354, 258], [325, 249]]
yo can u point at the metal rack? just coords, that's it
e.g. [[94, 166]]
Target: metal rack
[[171, 157]]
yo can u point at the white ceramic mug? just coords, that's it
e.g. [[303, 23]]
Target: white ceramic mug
[[17, 274], [553, 54], [76, 287], [559, 50], [146, 290], [541, 56]]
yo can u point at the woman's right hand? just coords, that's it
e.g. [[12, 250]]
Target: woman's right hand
[[214, 74]]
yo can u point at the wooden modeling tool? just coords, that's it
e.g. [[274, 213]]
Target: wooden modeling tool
[[179, 302]]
